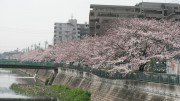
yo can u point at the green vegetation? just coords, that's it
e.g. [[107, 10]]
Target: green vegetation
[[47, 80], [69, 94], [62, 92]]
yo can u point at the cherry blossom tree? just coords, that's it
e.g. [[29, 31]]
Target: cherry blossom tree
[[139, 40], [125, 45]]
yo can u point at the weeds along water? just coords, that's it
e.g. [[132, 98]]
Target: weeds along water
[[56, 91]]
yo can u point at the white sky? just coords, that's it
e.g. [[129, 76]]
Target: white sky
[[26, 22]]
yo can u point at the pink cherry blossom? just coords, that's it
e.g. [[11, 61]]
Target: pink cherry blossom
[[124, 45]]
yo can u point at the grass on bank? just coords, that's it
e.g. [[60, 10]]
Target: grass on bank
[[59, 91]]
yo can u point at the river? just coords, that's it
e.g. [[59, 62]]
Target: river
[[7, 78]]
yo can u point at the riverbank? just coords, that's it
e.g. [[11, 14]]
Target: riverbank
[[56, 91], [103, 89]]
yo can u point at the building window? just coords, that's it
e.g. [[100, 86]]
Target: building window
[[67, 37], [137, 9], [107, 15], [152, 12], [97, 20], [91, 28], [67, 32], [60, 38], [165, 12], [91, 13], [98, 26], [105, 21], [178, 13], [175, 7], [142, 11], [60, 32], [54, 31]]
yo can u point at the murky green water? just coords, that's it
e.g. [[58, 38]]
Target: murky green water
[[7, 78]]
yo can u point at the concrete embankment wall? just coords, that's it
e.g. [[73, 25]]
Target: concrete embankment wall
[[41, 74], [112, 90]]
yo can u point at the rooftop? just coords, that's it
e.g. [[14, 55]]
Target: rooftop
[[113, 6]]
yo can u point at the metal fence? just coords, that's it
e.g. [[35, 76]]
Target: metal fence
[[32, 63], [139, 76]]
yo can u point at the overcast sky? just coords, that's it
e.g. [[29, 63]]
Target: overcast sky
[[26, 22]]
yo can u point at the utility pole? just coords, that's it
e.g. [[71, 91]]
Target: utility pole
[[39, 45], [46, 43], [35, 46], [28, 49], [31, 47]]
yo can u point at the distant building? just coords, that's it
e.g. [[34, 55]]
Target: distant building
[[83, 30], [9, 55], [64, 32], [102, 13]]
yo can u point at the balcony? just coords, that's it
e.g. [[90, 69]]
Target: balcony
[[154, 15], [177, 17]]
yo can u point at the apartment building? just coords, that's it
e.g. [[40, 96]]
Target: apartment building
[[102, 13], [64, 32], [83, 30]]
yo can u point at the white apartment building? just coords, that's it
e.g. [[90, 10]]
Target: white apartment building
[[64, 32]]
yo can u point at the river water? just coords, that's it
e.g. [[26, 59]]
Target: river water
[[7, 78]]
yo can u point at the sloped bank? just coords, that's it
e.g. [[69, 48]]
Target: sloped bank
[[117, 90], [110, 90], [43, 75]]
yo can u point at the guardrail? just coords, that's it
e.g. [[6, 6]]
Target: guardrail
[[139, 76], [32, 63]]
